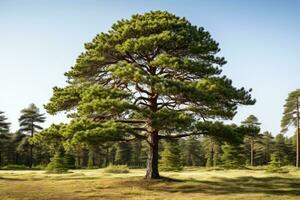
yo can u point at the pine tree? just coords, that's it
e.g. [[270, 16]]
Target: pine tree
[[213, 151], [281, 150], [192, 152], [29, 123], [264, 148], [139, 154], [135, 80], [123, 153], [233, 156], [170, 160], [4, 125], [291, 116], [251, 137], [275, 165]]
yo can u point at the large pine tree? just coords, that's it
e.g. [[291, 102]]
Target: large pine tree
[[151, 77], [29, 123], [291, 117]]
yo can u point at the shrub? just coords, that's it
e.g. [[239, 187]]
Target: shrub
[[117, 169], [39, 167], [57, 165], [15, 167]]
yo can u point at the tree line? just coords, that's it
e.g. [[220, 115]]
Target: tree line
[[21, 148]]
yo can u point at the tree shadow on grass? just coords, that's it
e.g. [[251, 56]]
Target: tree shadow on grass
[[225, 186]]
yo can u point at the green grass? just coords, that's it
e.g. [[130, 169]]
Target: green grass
[[192, 183], [117, 169]]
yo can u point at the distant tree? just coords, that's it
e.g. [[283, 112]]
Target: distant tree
[[123, 153], [4, 143], [212, 147], [4, 125], [281, 149], [264, 148], [139, 153], [192, 151], [170, 160], [29, 123], [51, 138], [252, 136], [291, 117], [233, 156]]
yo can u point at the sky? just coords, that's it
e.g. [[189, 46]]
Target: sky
[[40, 41]]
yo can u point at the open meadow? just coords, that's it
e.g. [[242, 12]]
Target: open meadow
[[197, 183]]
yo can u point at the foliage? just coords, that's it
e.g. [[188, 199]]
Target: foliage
[[264, 148], [233, 156], [52, 138], [213, 151], [290, 108], [192, 153], [123, 153], [4, 125], [117, 169], [30, 119], [275, 165], [171, 157], [57, 165]]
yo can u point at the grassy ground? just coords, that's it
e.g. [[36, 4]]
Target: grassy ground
[[189, 184]]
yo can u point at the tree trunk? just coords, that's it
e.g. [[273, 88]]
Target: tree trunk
[[252, 152], [298, 138], [152, 162], [31, 147]]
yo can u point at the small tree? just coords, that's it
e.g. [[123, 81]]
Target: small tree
[[171, 156], [29, 123], [233, 156], [57, 164], [275, 165]]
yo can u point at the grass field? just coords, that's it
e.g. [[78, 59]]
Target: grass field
[[189, 184]]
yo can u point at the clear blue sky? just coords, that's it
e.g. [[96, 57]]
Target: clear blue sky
[[40, 40]]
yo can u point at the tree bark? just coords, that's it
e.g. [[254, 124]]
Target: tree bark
[[298, 137], [152, 162], [31, 147], [252, 152]]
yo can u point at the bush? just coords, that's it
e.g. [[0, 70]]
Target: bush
[[15, 167], [117, 169], [57, 165], [39, 167]]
